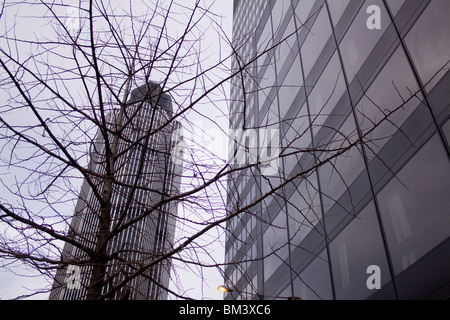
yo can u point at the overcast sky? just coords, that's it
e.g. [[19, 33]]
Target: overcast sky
[[12, 285]]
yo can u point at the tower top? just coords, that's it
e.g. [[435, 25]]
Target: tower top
[[152, 91]]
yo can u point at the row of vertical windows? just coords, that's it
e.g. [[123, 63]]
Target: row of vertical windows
[[143, 236]]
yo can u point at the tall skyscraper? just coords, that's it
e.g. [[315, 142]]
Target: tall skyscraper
[[374, 222], [145, 173]]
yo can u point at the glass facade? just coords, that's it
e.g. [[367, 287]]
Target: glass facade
[[325, 73]]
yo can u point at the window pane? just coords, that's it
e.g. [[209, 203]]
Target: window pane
[[415, 205], [357, 247], [265, 39], [359, 41], [287, 46], [266, 83], [446, 129], [316, 40], [397, 83], [314, 282], [304, 210], [429, 41], [395, 5], [279, 12], [303, 10], [337, 8], [275, 245], [290, 87], [326, 93], [340, 172], [297, 138]]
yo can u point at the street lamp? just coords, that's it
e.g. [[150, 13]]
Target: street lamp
[[224, 289]]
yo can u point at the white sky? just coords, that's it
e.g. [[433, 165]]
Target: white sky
[[12, 285]]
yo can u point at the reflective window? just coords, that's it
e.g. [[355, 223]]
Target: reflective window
[[287, 45], [303, 210], [414, 205], [338, 174], [395, 5], [275, 245], [265, 38], [267, 82], [394, 85], [326, 93], [428, 42], [297, 139], [279, 11], [316, 40], [446, 129], [357, 247], [359, 41], [303, 10], [284, 294], [314, 282], [337, 8], [292, 84]]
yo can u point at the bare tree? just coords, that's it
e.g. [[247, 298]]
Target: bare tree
[[70, 122]]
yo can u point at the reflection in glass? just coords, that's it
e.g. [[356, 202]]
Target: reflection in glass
[[303, 10], [314, 282], [316, 40], [296, 141], [429, 42], [395, 5], [414, 205], [446, 129], [303, 210], [290, 87], [279, 11], [326, 94], [338, 174], [275, 245], [337, 8], [359, 40], [357, 247], [397, 83]]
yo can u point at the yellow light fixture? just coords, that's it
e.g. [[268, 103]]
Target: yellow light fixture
[[224, 289]]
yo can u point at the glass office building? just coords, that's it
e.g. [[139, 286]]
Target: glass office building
[[145, 174], [373, 222]]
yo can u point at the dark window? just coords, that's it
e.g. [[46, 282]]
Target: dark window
[[429, 42], [314, 282], [339, 173], [446, 129], [415, 204], [303, 210], [357, 247], [275, 245], [395, 5]]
